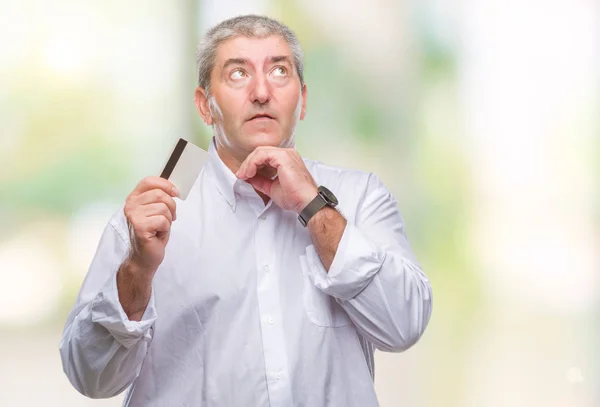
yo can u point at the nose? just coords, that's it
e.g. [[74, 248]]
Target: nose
[[260, 92]]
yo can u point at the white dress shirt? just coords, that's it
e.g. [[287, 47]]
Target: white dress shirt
[[242, 311]]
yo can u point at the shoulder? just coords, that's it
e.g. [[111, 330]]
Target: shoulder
[[343, 177], [351, 186], [331, 175]]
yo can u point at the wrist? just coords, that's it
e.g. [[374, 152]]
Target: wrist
[[138, 267], [324, 197], [307, 198]]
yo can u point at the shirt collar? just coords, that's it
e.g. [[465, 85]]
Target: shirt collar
[[223, 178]]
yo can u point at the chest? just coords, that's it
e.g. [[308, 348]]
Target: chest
[[218, 261]]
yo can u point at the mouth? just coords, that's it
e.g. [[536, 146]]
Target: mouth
[[261, 117]]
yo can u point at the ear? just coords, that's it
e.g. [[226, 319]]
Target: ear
[[303, 112], [201, 102]]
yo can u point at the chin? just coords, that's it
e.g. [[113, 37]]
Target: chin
[[266, 139]]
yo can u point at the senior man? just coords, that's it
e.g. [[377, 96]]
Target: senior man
[[276, 279]]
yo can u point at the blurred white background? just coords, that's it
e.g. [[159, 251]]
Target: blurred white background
[[482, 117]]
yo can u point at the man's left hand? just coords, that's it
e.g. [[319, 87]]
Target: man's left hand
[[292, 189]]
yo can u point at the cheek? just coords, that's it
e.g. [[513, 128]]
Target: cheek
[[293, 106], [232, 108]]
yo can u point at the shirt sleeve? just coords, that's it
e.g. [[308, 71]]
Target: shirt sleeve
[[101, 349], [106, 310], [355, 264], [375, 276]]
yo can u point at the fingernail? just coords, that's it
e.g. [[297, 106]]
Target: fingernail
[[175, 191]]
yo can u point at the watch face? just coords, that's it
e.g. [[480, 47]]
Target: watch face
[[328, 195]]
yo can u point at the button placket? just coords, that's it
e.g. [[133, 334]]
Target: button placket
[[273, 339]]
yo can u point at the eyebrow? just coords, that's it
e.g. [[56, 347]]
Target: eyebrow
[[280, 58], [243, 61], [235, 61]]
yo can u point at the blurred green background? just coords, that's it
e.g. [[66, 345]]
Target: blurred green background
[[481, 117]]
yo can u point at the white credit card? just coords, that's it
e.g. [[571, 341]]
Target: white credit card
[[184, 166]]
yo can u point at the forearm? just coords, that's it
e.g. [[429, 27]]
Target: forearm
[[102, 348], [326, 230], [367, 265], [135, 288], [381, 287]]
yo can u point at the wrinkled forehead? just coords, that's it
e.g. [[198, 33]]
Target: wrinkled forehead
[[256, 50]]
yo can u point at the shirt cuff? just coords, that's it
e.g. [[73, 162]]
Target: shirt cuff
[[355, 264], [107, 311]]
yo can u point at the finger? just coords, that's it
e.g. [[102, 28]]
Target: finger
[[250, 167], [244, 165], [252, 156], [150, 183], [261, 183], [144, 228], [158, 208], [157, 224], [156, 196]]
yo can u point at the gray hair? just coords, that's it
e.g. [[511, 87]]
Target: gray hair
[[247, 26]]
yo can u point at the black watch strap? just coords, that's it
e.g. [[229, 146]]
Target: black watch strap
[[311, 209]]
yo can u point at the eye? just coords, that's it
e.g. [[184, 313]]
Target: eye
[[238, 74], [279, 71]]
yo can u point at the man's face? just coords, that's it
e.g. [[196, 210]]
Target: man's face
[[255, 97]]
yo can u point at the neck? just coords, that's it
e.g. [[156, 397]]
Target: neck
[[232, 161]]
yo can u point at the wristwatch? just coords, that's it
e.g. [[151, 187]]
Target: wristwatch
[[324, 198]]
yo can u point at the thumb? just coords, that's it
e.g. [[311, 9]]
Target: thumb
[[261, 183]]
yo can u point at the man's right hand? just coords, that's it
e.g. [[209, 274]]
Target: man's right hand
[[150, 211]]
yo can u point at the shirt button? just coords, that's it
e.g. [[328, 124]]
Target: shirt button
[[266, 269], [277, 376], [271, 320], [262, 217]]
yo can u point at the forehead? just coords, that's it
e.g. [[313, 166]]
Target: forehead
[[253, 49]]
